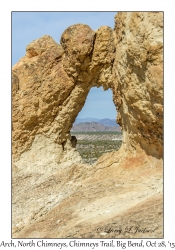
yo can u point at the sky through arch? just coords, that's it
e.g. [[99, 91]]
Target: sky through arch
[[99, 104]]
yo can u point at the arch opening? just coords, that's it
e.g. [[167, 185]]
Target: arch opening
[[95, 131]]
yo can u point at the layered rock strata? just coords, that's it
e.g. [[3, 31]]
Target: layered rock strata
[[54, 193]]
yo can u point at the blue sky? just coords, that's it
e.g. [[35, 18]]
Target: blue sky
[[28, 26], [99, 104]]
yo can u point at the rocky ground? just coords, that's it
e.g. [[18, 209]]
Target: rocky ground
[[108, 200]]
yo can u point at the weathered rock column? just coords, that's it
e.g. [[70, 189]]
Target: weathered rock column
[[138, 88]]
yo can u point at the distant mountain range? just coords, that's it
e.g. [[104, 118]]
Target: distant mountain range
[[104, 121], [93, 126]]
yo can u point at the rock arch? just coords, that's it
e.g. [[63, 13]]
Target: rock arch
[[50, 84], [54, 81], [49, 87]]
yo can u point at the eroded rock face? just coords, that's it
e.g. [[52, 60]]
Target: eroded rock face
[[138, 88], [51, 83], [52, 189]]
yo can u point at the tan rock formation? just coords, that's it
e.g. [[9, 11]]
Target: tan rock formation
[[54, 193], [48, 94], [138, 88]]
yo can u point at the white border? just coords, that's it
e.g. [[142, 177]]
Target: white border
[[5, 93]]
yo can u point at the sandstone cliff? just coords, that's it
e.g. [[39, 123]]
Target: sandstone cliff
[[54, 193]]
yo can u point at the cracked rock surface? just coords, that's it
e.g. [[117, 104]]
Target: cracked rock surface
[[55, 195]]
